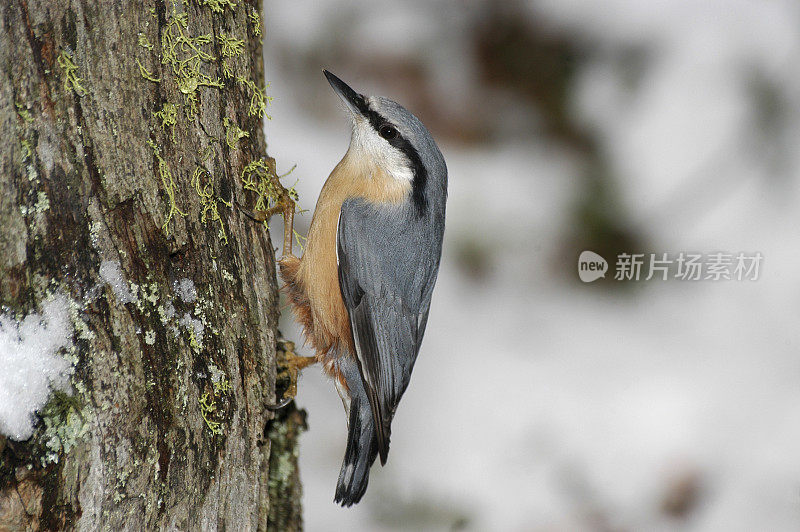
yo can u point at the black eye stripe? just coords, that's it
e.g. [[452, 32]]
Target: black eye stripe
[[402, 144]]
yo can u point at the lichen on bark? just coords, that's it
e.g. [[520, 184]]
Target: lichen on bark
[[85, 183]]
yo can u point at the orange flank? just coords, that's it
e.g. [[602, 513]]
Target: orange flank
[[313, 280]]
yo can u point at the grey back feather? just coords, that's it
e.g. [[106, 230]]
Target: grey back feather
[[388, 262]]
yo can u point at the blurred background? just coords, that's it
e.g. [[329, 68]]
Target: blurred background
[[539, 402]]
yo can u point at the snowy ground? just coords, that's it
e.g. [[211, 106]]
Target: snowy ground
[[540, 403]]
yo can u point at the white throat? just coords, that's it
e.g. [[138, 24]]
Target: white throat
[[366, 142]]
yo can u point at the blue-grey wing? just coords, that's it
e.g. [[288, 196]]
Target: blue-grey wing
[[388, 262]]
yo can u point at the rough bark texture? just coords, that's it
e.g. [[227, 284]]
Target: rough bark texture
[[285, 511], [167, 420]]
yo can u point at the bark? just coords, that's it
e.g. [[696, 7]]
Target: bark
[[165, 425], [285, 512]]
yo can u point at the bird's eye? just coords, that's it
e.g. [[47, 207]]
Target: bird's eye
[[388, 132]]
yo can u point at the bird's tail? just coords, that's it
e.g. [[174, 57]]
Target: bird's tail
[[362, 449]]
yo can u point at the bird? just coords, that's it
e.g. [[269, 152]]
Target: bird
[[362, 289]]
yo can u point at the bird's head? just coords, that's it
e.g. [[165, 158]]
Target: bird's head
[[388, 135]]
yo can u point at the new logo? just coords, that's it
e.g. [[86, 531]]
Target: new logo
[[591, 266]]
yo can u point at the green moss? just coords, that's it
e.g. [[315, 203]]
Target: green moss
[[217, 6], [71, 80], [150, 293], [300, 239], [255, 177], [209, 204], [26, 149], [184, 54], [42, 202], [255, 20], [208, 402], [168, 115], [134, 289], [208, 408], [119, 487], [259, 177], [23, 113], [66, 423], [258, 98], [81, 327], [144, 43], [222, 386], [166, 313], [193, 342], [233, 133], [230, 48], [169, 186], [146, 74]]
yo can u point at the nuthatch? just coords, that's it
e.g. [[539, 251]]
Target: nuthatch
[[362, 289]]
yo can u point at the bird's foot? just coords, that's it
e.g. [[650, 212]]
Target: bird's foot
[[284, 205], [289, 366]]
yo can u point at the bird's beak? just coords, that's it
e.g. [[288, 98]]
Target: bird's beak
[[353, 100]]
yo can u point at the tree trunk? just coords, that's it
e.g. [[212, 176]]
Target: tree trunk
[[129, 131]]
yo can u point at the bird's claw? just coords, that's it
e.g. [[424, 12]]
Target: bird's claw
[[285, 206], [281, 404], [257, 216], [289, 366]]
